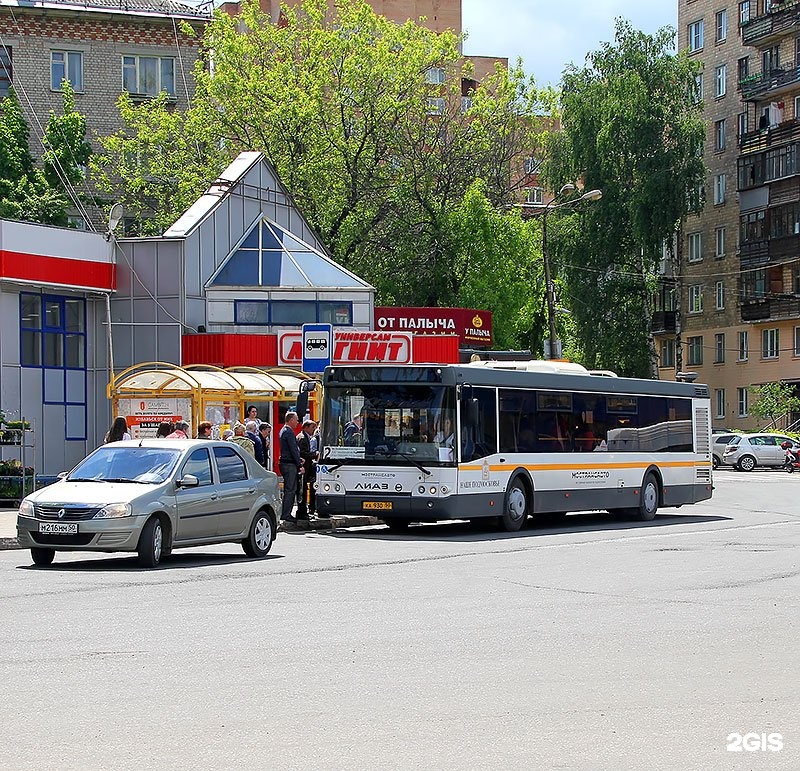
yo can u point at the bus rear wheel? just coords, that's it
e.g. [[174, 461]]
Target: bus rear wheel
[[516, 507], [648, 499]]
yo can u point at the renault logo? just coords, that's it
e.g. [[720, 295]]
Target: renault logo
[[61, 513]]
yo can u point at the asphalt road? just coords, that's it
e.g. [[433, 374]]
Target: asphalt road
[[595, 645]]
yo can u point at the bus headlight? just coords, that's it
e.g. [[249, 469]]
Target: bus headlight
[[326, 487], [433, 491], [421, 489]]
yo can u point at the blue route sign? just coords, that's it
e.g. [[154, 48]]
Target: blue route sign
[[317, 347]]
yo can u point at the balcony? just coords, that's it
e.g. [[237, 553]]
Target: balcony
[[771, 26], [662, 322], [763, 139], [771, 308], [771, 83], [754, 254]]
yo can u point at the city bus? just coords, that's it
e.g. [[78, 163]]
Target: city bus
[[508, 440]]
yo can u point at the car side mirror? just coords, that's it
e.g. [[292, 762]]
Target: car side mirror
[[188, 480], [63, 475]]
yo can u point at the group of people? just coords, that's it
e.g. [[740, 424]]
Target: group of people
[[298, 467]]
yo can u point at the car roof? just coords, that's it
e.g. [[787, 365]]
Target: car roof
[[173, 444]]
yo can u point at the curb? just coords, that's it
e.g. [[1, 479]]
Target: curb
[[7, 544]]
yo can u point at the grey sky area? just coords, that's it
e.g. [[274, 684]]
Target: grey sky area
[[548, 36]]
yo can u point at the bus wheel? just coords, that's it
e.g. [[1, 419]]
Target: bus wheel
[[648, 499], [516, 508]]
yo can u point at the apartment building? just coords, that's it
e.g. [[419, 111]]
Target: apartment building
[[102, 47], [739, 258]]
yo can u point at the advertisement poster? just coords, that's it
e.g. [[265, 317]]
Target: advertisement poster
[[145, 415]]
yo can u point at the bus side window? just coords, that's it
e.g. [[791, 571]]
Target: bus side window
[[479, 441]]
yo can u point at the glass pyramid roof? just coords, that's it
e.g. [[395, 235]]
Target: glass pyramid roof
[[269, 256]]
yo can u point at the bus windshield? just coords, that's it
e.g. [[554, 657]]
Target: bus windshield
[[389, 422]]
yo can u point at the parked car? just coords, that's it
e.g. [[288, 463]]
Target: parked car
[[718, 445], [151, 497], [747, 451]]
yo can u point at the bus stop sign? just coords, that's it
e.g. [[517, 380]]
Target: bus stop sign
[[317, 346]]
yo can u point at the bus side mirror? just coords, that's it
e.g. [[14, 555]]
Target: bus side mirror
[[306, 386]]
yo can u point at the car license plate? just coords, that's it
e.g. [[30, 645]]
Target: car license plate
[[59, 528], [377, 505]]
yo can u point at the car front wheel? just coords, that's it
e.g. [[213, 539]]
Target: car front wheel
[[42, 556], [259, 539], [151, 543]]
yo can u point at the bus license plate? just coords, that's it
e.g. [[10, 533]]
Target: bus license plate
[[377, 505], [59, 528]]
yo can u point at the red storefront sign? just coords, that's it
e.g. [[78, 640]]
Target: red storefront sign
[[473, 327], [352, 348]]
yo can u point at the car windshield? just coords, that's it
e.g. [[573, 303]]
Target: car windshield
[[124, 463], [390, 422]]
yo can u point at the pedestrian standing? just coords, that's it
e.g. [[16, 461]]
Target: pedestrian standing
[[204, 430], [308, 453], [264, 431], [289, 463], [164, 430], [240, 438], [181, 431], [251, 430], [118, 431]]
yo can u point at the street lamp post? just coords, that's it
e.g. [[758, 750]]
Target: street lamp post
[[553, 346]]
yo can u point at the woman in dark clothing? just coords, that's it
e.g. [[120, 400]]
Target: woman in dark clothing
[[118, 431], [164, 430]]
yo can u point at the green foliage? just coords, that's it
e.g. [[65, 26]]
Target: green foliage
[[632, 129], [28, 192], [339, 103], [774, 400]]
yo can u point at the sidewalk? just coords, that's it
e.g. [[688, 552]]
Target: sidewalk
[[8, 526]]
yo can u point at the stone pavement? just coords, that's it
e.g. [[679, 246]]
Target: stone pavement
[[8, 526]]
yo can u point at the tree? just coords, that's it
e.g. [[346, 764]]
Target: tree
[[42, 194], [632, 128], [364, 122], [774, 401]]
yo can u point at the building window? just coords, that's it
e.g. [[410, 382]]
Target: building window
[[796, 278], [466, 103], [719, 189], [719, 241], [797, 341], [721, 25], [743, 346], [741, 394], [66, 65], [53, 337], [435, 76], [698, 87], [754, 284], [719, 135], [695, 247], [534, 195], [743, 67], [6, 71], [741, 124], [744, 12], [695, 31], [667, 356], [719, 348], [696, 298], [797, 108], [148, 75], [719, 295], [532, 165], [770, 345], [719, 401], [770, 59], [436, 105], [720, 80], [695, 345], [264, 313]]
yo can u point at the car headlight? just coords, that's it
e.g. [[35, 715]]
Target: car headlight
[[113, 511], [26, 509]]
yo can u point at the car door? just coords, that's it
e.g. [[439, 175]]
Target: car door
[[770, 449], [197, 506], [236, 492]]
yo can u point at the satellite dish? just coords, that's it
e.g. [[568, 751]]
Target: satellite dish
[[115, 216]]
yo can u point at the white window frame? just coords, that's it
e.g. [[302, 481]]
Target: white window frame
[[696, 298], [720, 81], [720, 131], [698, 87], [719, 348], [720, 183], [695, 250], [719, 403], [744, 346], [741, 398], [695, 36], [666, 355], [134, 61], [532, 165], [719, 242], [694, 351], [67, 58], [436, 105], [744, 12], [534, 195], [721, 19], [435, 76], [741, 124], [770, 343], [719, 296]]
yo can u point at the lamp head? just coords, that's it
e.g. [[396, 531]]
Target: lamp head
[[592, 195], [568, 188]]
